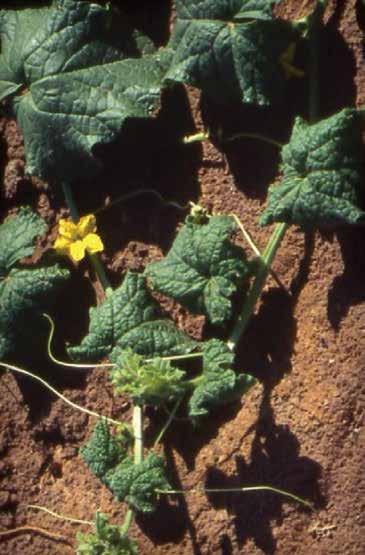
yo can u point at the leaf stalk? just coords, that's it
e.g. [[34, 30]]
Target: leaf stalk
[[264, 264]]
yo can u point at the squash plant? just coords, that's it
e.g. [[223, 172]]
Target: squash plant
[[72, 72]]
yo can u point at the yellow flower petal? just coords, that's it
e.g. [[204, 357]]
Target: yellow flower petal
[[86, 225], [93, 243], [66, 228], [62, 245], [77, 251]]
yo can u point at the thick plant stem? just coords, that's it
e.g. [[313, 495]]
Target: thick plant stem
[[138, 456], [258, 285], [94, 259], [70, 201], [138, 433]]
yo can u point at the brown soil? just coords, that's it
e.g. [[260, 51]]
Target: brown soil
[[301, 429]]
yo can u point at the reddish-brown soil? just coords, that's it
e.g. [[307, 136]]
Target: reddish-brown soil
[[300, 429]]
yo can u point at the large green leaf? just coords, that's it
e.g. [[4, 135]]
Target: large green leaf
[[230, 49], [128, 318], [24, 293], [219, 384], [136, 483], [17, 236], [203, 268], [322, 174], [79, 71]]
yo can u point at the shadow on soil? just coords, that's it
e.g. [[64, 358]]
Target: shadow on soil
[[70, 316], [347, 289], [148, 155], [274, 460], [275, 451]]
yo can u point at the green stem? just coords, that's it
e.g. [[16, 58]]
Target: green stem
[[254, 136], [70, 201], [128, 520], [138, 433], [168, 422], [138, 456], [248, 489], [194, 381], [204, 136], [94, 258], [263, 269], [178, 357], [196, 138]]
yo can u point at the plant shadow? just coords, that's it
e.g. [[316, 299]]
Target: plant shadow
[[254, 162], [347, 289], [70, 316], [275, 461], [264, 351], [149, 154], [170, 522]]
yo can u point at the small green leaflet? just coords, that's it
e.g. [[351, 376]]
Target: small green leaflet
[[322, 174], [136, 483], [108, 539], [230, 49], [203, 268], [128, 318], [219, 383], [24, 293], [148, 383], [103, 451], [77, 71]]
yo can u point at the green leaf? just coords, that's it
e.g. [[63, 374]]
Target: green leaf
[[108, 539], [136, 483], [203, 268], [128, 318], [103, 451], [24, 295], [219, 384], [80, 71], [149, 383], [255, 9], [17, 235], [322, 174], [230, 49]]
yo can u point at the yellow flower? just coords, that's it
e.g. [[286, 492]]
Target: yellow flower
[[286, 62], [75, 239]]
